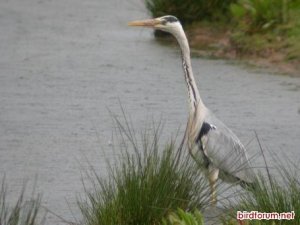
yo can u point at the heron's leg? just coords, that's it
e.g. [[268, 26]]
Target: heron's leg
[[213, 174]]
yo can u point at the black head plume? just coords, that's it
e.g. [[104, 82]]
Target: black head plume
[[169, 19]]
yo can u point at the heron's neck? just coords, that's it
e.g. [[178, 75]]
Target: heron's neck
[[193, 92]]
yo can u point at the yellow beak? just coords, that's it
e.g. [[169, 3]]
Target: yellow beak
[[145, 23]]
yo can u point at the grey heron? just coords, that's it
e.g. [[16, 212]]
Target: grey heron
[[212, 144]]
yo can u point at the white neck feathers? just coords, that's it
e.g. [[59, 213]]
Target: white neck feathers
[[193, 92]]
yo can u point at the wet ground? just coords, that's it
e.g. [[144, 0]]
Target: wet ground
[[64, 63]]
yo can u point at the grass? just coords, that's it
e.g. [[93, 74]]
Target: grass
[[253, 16], [145, 185], [258, 40], [23, 212], [278, 193]]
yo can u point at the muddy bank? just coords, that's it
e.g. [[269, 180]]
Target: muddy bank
[[209, 40]]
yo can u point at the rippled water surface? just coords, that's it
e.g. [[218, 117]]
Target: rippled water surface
[[64, 63]]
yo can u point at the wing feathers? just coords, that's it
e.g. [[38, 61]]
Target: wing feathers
[[224, 150]]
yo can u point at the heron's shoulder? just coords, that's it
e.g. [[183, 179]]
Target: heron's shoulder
[[217, 130], [205, 128]]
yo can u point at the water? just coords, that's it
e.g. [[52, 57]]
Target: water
[[64, 63]]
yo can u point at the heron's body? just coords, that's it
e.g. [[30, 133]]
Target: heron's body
[[207, 140], [214, 146]]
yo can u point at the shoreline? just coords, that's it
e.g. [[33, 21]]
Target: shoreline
[[207, 40]]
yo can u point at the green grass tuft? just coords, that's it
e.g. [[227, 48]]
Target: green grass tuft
[[271, 194], [22, 212], [144, 187]]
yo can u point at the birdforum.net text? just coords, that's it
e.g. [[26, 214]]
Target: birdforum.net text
[[255, 215]]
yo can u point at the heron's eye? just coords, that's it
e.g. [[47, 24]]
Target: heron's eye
[[164, 22]]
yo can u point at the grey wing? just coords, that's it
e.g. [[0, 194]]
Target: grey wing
[[226, 153]]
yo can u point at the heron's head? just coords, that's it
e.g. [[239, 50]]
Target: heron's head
[[165, 23]]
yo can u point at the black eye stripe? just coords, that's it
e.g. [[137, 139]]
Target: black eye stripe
[[170, 19]]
